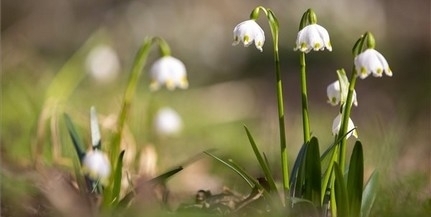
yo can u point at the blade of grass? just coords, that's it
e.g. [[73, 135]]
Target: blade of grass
[[369, 194], [78, 143], [272, 197], [157, 180], [263, 163], [233, 168]]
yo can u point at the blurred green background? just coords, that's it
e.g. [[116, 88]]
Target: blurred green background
[[46, 43]]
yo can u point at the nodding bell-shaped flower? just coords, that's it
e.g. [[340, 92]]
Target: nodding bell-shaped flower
[[167, 122], [334, 94], [371, 61], [312, 37], [168, 71], [247, 32], [336, 125], [96, 165]]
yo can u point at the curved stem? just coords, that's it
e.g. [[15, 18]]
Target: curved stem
[[304, 98], [138, 65]]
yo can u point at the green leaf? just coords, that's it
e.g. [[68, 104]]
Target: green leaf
[[297, 176], [117, 178], [369, 194], [253, 183], [241, 173], [263, 162], [163, 177], [341, 197], [157, 180], [76, 140], [355, 180], [273, 21], [312, 172], [328, 171]]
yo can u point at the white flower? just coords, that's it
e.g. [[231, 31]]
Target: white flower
[[371, 61], [334, 91], [168, 71], [313, 37], [336, 125], [96, 165], [102, 63], [167, 121], [248, 31]]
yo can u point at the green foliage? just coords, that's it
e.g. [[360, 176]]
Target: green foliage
[[355, 180]]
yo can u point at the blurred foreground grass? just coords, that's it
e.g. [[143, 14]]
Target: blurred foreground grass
[[394, 125]]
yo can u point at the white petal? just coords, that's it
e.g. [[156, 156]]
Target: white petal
[[168, 71], [333, 93], [167, 121], [312, 37], [371, 61], [336, 125], [97, 165], [247, 32]]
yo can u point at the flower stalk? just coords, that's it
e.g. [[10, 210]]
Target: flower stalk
[[274, 26], [137, 68], [311, 36]]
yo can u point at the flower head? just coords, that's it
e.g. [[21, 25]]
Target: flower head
[[168, 71], [167, 121], [248, 31], [96, 165], [336, 125], [336, 95], [371, 61], [103, 64], [313, 37]]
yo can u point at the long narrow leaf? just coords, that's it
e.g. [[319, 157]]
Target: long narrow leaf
[[369, 194], [355, 180], [157, 180], [269, 195], [341, 197], [117, 178], [263, 164], [328, 172], [312, 173], [76, 140], [297, 176], [233, 168]]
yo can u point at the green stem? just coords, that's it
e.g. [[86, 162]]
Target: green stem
[[138, 65], [345, 120], [280, 105], [304, 98]]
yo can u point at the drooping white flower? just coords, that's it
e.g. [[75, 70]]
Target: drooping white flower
[[313, 37], [247, 32], [168, 71], [96, 165], [371, 61], [103, 64], [336, 95], [336, 125], [167, 121]]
